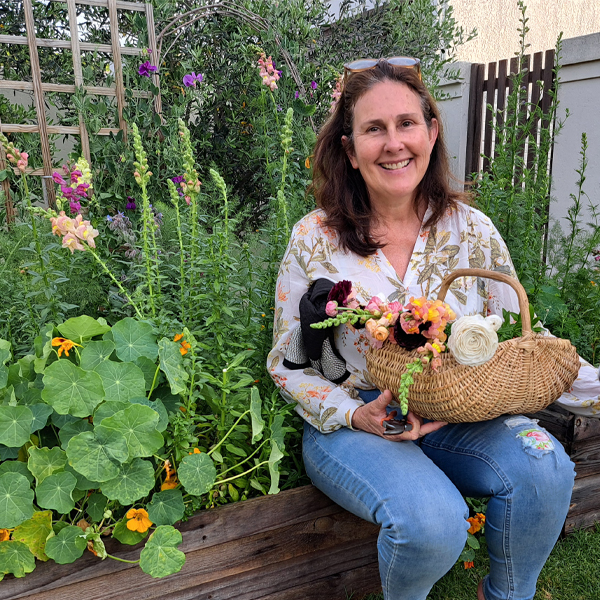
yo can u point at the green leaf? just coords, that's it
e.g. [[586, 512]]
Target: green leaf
[[67, 546], [83, 483], [134, 481], [34, 532], [304, 110], [277, 448], [71, 390], [97, 455], [160, 556], [40, 412], [197, 473], [16, 466], [43, 462], [15, 425], [473, 542], [148, 368], [166, 508], [255, 414], [16, 500], [5, 352], [121, 381], [81, 328], [8, 453], [3, 174], [126, 536], [137, 424], [16, 558], [108, 409], [72, 429], [158, 406], [55, 492], [134, 339], [3, 376], [95, 353], [171, 362], [96, 505]]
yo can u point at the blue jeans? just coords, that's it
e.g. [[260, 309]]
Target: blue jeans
[[414, 491]]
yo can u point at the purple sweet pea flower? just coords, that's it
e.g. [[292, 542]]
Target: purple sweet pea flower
[[190, 79], [313, 85], [58, 179], [296, 94], [177, 180], [146, 69]]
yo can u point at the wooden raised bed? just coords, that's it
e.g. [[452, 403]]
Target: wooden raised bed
[[297, 545]]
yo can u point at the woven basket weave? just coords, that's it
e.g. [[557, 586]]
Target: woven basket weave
[[525, 374]]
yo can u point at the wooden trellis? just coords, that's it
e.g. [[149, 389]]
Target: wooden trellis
[[39, 88]]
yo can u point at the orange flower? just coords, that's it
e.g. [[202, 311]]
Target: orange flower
[[307, 162], [5, 535], [185, 346], [169, 483], [64, 345], [90, 546], [469, 564], [477, 522], [138, 520], [196, 451]]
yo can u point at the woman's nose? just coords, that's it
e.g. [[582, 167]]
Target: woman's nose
[[394, 140]]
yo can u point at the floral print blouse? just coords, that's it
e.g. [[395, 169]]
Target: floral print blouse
[[463, 238]]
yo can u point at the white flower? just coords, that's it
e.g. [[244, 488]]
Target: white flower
[[473, 339]]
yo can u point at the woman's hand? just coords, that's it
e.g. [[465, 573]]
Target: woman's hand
[[369, 417]]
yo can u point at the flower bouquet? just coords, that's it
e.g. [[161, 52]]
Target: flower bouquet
[[464, 374]]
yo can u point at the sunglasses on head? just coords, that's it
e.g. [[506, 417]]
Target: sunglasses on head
[[364, 64]]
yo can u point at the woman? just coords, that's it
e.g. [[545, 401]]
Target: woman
[[389, 221]]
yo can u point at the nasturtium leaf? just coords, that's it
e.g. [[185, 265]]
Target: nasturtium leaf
[[82, 328], [277, 448], [43, 347], [40, 412], [137, 424], [19, 383], [95, 353], [8, 453], [121, 381], [158, 406], [126, 536], [197, 473], [34, 532], [148, 368], [166, 508], [255, 414], [71, 390], [171, 363], [16, 500], [83, 483], [160, 556], [5, 352], [16, 466], [95, 506], [33, 395], [3, 376], [55, 492], [78, 493], [15, 425], [134, 481], [133, 339], [62, 420], [43, 462], [26, 371], [108, 409], [97, 457], [15, 558], [67, 546], [72, 429]]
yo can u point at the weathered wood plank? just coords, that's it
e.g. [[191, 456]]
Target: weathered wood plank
[[586, 495], [118, 64], [65, 88], [121, 4], [66, 44], [583, 521], [586, 428]]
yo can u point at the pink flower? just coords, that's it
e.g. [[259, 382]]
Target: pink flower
[[22, 162], [331, 308], [374, 306], [72, 242], [268, 72]]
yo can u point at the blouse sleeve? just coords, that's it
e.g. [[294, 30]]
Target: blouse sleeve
[[323, 404]]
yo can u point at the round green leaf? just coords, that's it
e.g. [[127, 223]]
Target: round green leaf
[[160, 556], [83, 327], [71, 390], [97, 457], [15, 425], [148, 368], [121, 381], [95, 353], [83, 483], [137, 424], [8, 453], [16, 466], [72, 429], [134, 339], [67, 546], [5, 352], [171, 363], [134, 481], [40, 412], [158, 406], [166, 508], [95, 507], [61, 420], [34, 532], [126, 536], [108, 409], [16, 500], [43, 462], [55, 492], [197, 473], [16, 558]]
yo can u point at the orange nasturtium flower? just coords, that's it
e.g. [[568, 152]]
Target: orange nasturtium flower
[[469, 564], [170, 481], [138, 520], [477, 522], [185, 346], [5, 535], [64, 345]]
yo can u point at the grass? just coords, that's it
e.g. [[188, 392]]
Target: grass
[[571, 573]]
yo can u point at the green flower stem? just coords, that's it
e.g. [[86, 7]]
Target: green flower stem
[[265, 462], [193, 378], [175, 201], [245, 460], [227, 434], [154, 381], [224, 400], [131, 562], [116, 282]]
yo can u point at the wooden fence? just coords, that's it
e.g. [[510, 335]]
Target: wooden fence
[[487, 104], [39, 88]]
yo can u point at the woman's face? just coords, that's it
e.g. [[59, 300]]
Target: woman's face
[[392, 143]]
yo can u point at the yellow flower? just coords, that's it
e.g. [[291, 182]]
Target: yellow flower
[[138, 520], [5, 535], [307, 162], [64, 345]]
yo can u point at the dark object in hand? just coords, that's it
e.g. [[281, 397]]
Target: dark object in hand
[[392, 426]]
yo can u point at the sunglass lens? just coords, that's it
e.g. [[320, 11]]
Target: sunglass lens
[[361, 63], [403, 61]]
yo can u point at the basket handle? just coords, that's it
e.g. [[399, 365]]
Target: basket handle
[[512, 281]]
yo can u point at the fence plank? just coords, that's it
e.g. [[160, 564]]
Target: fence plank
[[36, 76], [548, 78], [501, 99], [118, 65], [536, 75], [489, 114], [103, 4], [66, 44]]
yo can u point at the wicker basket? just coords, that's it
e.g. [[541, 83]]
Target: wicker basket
[[525, 375]]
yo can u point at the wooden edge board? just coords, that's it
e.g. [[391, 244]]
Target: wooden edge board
[[121, 4], [66, 44]]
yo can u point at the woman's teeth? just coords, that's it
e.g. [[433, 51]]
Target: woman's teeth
[[394, 166]]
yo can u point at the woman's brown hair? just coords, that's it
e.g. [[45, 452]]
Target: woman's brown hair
[[340, 190]]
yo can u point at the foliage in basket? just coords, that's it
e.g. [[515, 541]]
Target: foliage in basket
[[92, 424]]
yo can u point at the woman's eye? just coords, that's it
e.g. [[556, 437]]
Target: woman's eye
[[406, 123]]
